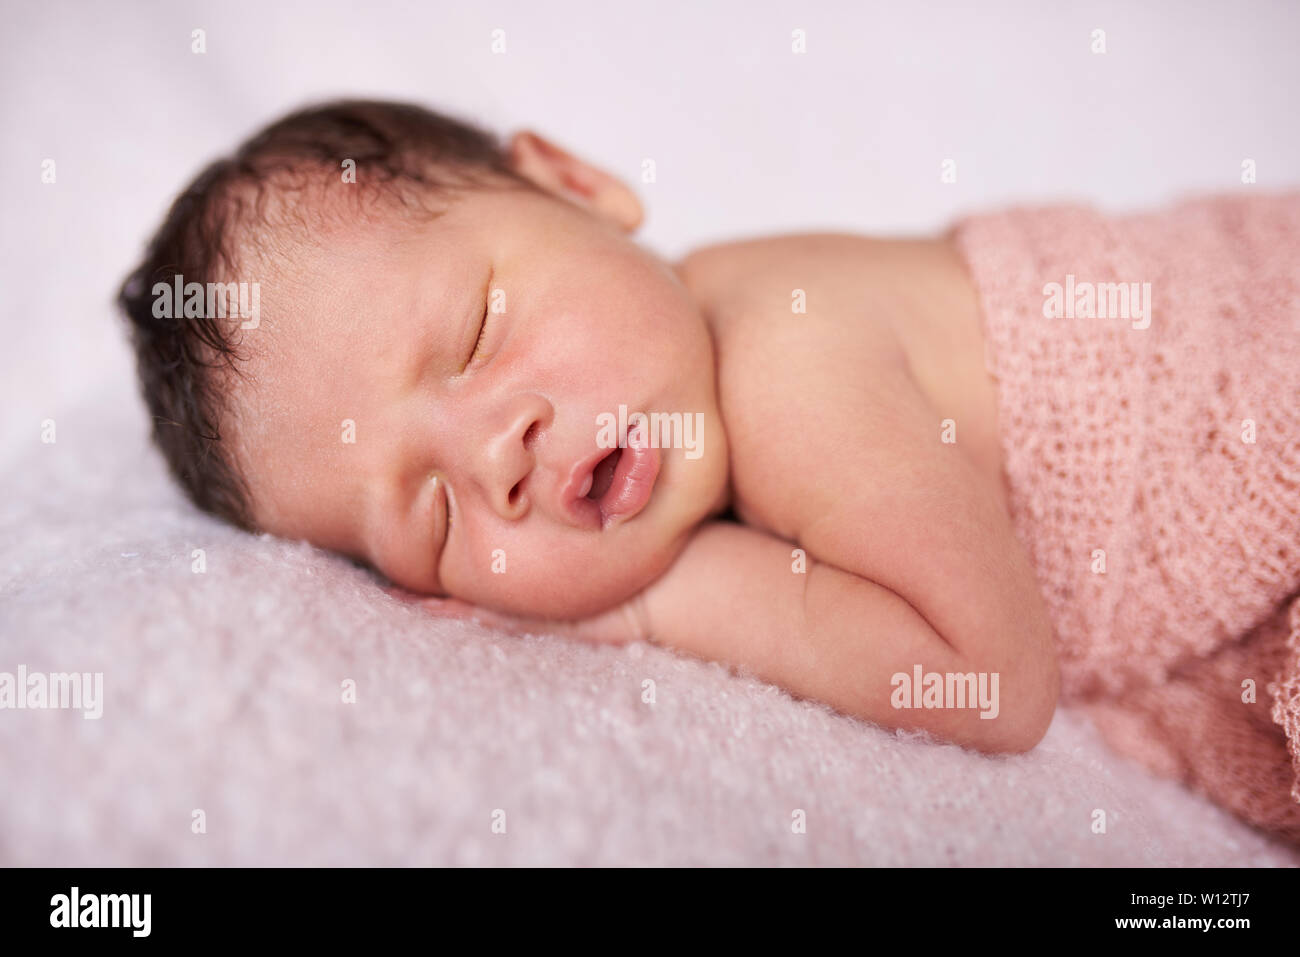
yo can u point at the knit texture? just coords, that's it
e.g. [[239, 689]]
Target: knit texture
[[1154, 475]]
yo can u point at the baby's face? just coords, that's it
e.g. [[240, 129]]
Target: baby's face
[[373, 424]]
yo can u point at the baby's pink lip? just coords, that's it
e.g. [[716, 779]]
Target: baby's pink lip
[[629, 491]]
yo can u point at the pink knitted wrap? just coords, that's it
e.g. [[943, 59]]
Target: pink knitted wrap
[[1154, 476]]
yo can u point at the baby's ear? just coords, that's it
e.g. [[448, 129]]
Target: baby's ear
[[561, 173]]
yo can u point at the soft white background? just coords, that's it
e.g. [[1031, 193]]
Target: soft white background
[[748, 138], [222, 689]]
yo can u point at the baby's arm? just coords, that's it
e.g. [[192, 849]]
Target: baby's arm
[[912, 560], [836, 637], [733, 596]]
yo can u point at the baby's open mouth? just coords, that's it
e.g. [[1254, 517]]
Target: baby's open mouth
[[617, 487], [602, 477]]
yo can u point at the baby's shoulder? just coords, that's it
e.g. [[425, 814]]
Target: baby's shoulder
[[724, 274], [819, 337], [772, 301], [886, 289]]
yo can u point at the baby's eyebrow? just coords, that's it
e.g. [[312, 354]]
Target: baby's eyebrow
[[435, 329], [425, 341]]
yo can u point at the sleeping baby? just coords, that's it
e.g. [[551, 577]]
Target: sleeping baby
[[931, 483]]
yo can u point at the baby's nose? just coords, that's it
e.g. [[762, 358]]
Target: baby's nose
[[510, 457]]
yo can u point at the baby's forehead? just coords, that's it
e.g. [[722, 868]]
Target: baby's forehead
[[317, 288]]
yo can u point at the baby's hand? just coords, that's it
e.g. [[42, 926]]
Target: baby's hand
[[620, 625]]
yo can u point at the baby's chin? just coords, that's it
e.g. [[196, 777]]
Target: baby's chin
[[568, 591], [563, 586], [566, 597]]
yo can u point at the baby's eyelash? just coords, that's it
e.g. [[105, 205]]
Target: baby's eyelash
[[487, 309], [481, 329], [446, 532]]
